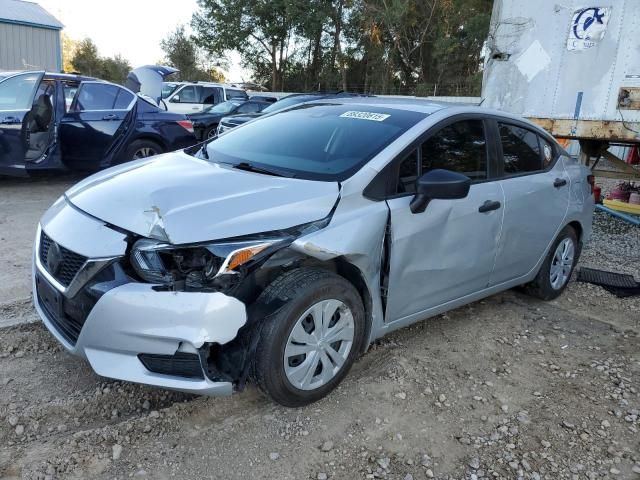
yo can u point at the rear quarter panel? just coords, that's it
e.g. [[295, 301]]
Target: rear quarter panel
[[581, 200]]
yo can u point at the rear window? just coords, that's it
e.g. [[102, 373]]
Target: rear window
[[315, 141]]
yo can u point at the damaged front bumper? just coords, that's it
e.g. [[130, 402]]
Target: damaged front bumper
[[128, 330]]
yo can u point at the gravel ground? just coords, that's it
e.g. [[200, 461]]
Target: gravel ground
[[505, 388]]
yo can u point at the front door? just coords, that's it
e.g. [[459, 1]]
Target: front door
[[16, 100], [447, 251], [536, 200], [186, 100], [96, 120]]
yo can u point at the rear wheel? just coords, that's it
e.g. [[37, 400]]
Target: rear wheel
[[556, 270], [309, 343], [211, 132], [142, 149]]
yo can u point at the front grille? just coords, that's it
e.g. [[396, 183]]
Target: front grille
[[70, 263], [67, 316], [178, 365]]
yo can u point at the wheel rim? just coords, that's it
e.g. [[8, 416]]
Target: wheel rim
[[319, 344], [144, 152], [211, 133], [561, 264]]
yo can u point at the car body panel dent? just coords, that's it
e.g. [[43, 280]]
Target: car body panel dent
[[182, 199]]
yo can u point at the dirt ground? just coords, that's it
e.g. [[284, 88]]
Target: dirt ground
[[508, 387]]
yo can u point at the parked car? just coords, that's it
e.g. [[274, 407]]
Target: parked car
[[284, 248], [53, 121], [205, 124], [195, 97], [232, 121], [263, 98]]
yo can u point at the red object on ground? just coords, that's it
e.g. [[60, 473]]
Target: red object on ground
[[597, 192], [633, 157], [619, 194]]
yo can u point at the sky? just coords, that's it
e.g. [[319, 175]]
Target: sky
[[132, 28]]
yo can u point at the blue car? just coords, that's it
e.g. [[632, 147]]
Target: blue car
[[54, 121]]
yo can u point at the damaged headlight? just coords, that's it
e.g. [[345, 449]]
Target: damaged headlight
[[209, 265]]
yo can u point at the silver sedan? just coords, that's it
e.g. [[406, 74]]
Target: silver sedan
[[278, 252]]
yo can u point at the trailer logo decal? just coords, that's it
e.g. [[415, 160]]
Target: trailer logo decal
[[588, 27]]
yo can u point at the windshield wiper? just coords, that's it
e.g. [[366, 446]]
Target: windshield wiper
[[249, 167], [203, 151]]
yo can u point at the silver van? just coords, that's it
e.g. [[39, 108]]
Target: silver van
[[278, 252]]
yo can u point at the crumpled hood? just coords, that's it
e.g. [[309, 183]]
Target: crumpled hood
[[182, 199]]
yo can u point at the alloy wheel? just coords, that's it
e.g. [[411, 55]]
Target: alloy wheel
[[319, 344], [144, 152], [561, 264]]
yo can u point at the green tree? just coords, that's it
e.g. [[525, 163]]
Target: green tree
[[115, 69], [182, 53], [86, 59]]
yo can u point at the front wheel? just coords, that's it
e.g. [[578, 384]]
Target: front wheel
[[309, 343], [556, 270]]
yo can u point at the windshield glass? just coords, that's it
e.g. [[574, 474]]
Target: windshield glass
[[168, 89], [314, 141], [224, 107], [289, 102]]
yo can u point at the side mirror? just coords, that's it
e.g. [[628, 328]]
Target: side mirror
[[439, 184], [175, 99]]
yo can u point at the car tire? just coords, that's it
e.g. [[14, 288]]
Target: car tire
[[142, 149], [557, 267], [210, 132], [290, 378]]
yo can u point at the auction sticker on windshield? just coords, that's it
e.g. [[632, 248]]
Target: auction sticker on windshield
[[376, 117]]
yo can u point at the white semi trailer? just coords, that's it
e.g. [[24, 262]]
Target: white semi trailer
[[571, 66]]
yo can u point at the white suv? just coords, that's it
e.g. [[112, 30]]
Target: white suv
[[195, 97]]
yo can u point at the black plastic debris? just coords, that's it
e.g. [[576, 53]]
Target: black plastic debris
[[620, 284]]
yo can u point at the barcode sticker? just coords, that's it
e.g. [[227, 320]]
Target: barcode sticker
[[376, 117]]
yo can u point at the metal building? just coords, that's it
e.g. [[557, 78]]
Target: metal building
[[29, 37]]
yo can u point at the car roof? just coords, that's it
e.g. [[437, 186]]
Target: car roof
[[49, 75], [423, 105]]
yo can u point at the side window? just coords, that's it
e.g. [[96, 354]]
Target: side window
[[210, 96], [95, 96], [520, 149], [188, 94], [547, 153], [16, 93], [236, 94], [123, 100], [460, 147], [249, 107], [70, 91], [408, 174]]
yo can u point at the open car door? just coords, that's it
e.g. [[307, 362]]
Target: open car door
[[96, 122], [16, 102]]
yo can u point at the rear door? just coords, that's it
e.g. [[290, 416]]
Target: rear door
[[98, 117], [16, 100], [536, 190], [210, 96], [186, 100]]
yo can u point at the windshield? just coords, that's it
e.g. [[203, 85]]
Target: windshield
[[314, 141], [168, 89], [289, 102], [224, 107]]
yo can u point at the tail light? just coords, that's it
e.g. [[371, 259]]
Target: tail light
[[186, 124], [592, 181]]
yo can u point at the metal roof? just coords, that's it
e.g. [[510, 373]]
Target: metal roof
[[27, 13]]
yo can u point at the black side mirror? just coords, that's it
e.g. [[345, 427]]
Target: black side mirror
[[439, 184]]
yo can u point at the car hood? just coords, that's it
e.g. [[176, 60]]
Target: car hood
[[181, 199]]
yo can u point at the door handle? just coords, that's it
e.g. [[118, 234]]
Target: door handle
[[488, 206], [111, 116], [559, 182]]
